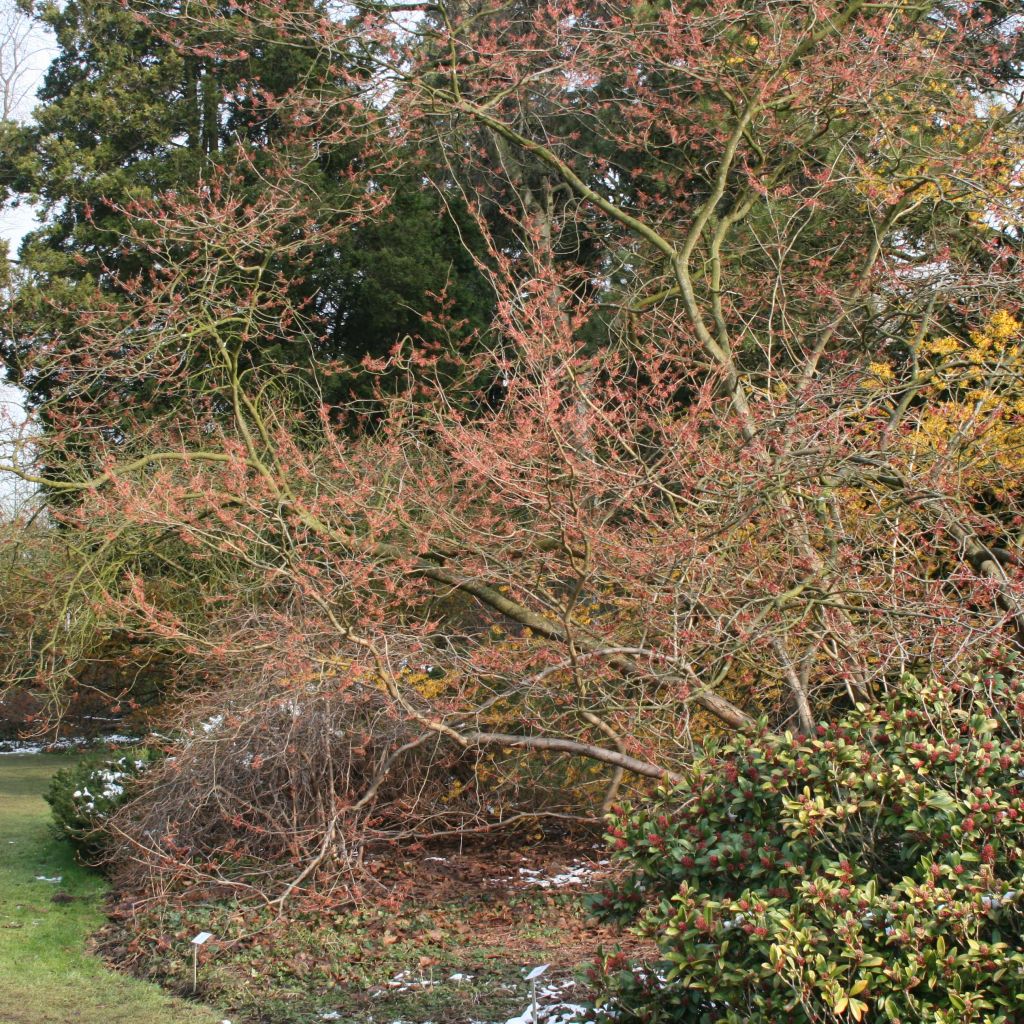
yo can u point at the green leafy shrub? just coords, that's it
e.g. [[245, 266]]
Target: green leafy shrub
[[84, 795], [872, 872]]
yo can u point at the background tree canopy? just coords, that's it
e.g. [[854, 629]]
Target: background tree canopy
[[127, 112]]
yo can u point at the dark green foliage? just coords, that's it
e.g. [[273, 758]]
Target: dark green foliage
[[872, 872], [125, 116], [83, 796]]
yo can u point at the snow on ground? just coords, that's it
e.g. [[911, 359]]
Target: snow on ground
[[17, 747], [580, 872], [67, 743], [576, 874], [554, 1000], [554, 1006]]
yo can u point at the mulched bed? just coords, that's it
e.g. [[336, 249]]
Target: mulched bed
[[417, 919]]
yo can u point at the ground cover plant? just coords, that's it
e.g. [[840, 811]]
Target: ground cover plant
[[870, 871]]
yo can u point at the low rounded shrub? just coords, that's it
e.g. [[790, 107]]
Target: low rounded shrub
[[871, 872], [84, 795]]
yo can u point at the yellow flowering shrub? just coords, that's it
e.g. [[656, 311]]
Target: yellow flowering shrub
[[971, 422]]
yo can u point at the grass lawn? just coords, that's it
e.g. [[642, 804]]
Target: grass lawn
[[46, 975]]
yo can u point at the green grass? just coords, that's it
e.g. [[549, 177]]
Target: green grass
[[46, 975]]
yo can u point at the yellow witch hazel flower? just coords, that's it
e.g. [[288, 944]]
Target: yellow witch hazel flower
[[942, 346], [973, 415], [1002, 326], [1000, 329]]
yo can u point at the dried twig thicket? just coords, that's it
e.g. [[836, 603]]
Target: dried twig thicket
[[277, 786]]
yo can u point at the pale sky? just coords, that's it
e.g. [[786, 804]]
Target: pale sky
[[34, 56], [36, 51]]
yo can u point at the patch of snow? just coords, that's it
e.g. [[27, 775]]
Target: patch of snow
[[578, 874], [55, 879], [553, 1007], [14, 747], [66, 743], [109, 782], [406, 981], [212, 724]]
